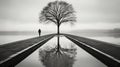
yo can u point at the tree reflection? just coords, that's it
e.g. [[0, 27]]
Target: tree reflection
[[50, 57]]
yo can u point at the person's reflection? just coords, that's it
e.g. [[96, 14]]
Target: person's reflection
[[52, 58]]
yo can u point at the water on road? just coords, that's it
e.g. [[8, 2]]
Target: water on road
[[70, 55]]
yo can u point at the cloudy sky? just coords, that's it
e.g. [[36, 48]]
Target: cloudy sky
[[22, 15]]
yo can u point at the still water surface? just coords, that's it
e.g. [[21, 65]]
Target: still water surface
[[76, 58], [11, 38]]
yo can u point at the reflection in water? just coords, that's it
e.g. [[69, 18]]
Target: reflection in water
[[70, 55], [50, 57]]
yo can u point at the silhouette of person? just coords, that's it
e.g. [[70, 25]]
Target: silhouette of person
[[39, 31]]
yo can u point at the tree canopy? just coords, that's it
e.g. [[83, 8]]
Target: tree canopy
[[57, 12]]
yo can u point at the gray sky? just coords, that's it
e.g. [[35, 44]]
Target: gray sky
[[91, 14]]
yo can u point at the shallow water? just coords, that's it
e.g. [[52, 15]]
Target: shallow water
[[12, 38], [108, 39], [45, 57], [81, 59]]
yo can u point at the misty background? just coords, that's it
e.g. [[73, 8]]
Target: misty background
[[93, 16], [96, 19]]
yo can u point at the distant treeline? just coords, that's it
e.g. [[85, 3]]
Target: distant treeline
[[23, 32], [113, 33], [17, 32]]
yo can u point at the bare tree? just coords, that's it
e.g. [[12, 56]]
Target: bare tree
[[57, 12]]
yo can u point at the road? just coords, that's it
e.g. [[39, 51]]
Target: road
[[13, 53], [107, 53]]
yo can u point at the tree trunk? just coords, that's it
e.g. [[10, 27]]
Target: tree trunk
[[58, 38]]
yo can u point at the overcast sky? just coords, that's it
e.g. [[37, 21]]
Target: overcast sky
[[91, 14]]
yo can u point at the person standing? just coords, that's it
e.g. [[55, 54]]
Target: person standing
[[39, 32]]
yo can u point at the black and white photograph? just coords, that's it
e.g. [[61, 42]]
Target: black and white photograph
[[59, 33]]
